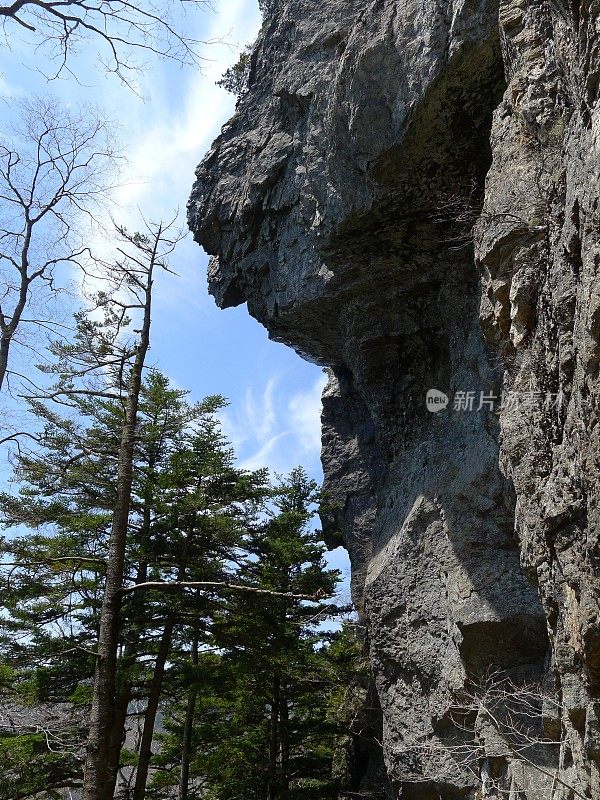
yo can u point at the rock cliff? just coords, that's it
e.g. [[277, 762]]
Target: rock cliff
[[408, 195]]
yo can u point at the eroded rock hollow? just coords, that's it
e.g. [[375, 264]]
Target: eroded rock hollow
[[408, 195]]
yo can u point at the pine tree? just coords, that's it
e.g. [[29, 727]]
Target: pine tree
[[261, 725], [147, 557], [189, 507], [206, 505]]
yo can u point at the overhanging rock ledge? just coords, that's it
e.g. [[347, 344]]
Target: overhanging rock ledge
[[408, 195]]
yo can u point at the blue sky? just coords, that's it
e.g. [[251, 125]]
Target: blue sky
[[273, 416]]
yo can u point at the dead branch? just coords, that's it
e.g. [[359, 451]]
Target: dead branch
[[177, 586]]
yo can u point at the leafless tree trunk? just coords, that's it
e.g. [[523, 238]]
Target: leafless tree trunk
[[502, 722]]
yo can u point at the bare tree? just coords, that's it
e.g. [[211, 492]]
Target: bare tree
[[118, 28], [495, 724], [56, 167], [58, 730]]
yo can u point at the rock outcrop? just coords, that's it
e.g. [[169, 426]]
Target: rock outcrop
[[408, 195]]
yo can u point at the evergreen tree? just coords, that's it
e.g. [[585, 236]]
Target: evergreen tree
[[260, 697], [147, 561], [188, 514]]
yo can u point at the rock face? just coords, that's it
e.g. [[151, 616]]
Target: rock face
[[408, 195]]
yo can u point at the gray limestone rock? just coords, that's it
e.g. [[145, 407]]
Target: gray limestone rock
[[408, 195]]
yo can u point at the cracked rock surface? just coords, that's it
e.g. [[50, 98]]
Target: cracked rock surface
[[408, 195]]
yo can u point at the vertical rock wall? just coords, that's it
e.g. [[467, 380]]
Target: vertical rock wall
[[537, 252], [407, 194]]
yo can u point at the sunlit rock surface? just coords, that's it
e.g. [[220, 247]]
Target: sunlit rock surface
[[408, 195]]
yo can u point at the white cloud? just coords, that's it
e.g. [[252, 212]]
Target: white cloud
[[266, 456], [162, 155], [271, 428], [261, 416], [8, 89], [253, 421], [304, 411]]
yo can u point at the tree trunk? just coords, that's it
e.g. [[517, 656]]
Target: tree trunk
[[124, 692], [274, 741], [117, 737], [123, 698], [186, 744], [284, 723], [9, 328], [96, 778], [145, 753], [4, 349]]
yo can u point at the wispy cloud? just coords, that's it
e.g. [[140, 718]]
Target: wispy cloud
[[277, 427], [266, 456], [8, 89], [304, 413], [253, 420], [162, 155], [261, 416]]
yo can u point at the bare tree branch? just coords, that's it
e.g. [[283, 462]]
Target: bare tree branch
[[57, 165], [176, 586], [118, 28]]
